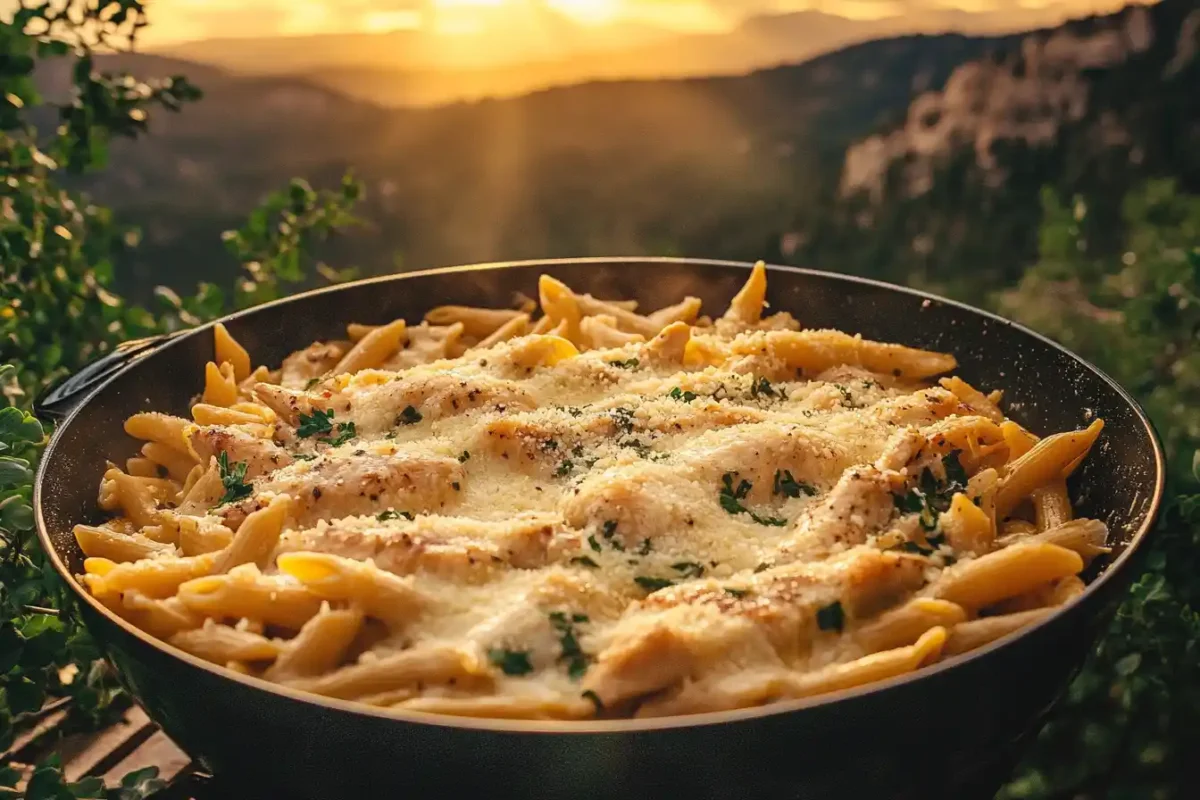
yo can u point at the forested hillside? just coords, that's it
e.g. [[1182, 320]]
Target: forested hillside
[[703, 167], [940, 184]]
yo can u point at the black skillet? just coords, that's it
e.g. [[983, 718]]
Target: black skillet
[[951, 731]]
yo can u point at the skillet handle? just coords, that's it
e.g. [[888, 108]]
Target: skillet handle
[[66, 393]]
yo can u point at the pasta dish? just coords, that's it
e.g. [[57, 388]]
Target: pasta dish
[[577, 508]]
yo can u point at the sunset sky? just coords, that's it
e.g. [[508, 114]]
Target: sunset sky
[[182, 20]]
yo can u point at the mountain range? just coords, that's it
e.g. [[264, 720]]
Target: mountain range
[[917, 157], [515, 54]]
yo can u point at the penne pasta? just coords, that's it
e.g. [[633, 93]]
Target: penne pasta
[[580, 507]]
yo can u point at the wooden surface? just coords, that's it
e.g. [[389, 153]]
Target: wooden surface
[[133, 743]]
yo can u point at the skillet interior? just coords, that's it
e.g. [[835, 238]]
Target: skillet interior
[[1047, 389]]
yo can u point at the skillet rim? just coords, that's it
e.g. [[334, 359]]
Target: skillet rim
[[633, 725]]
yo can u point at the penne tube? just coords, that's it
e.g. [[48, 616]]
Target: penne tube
[[543, 325], [198, 536], [140, 467], [905, 625], [478, 323], [624, 320], [256, 537], [155, 578], [136, 498], [373, 349], [747, 305], [976, 400], [868, 669], [430, 664], [561, 307], [178, 465], [967, 526], [205, 414], [1047, 595], [503, 707], [1005, 573], [319, 647], [118, 547], [816, 351], [1087, 537], [684, 311], [602, 332], [379, 594], [228, 351], [1043, 464], [1052, 505], [976, 633], [222, 643], [670, 345], [517, 326], [205, 492], [165, 429], [220, 388], [162, 618], [246, 592]]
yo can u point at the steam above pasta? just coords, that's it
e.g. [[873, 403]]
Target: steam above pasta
[[597, 511]]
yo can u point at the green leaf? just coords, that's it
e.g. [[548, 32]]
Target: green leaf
[[140, 784], [14, 471], [24, 696]]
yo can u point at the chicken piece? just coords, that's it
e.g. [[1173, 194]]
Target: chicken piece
[[644, 500], [312, 362], [290, 404], [688, 631], [859, 504], [456, 548], [261, 456], [357, 484], [432, 394]]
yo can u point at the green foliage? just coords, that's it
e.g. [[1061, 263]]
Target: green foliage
[[1131, 720], [59, 253]]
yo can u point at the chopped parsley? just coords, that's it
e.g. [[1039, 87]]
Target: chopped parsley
[[311, 383], [731, 500], [511, 662], [644, 549], [550, 444], [464, 456], [653, 584], [345, 432], [595, 698], [585, 561], [623, 419], [788, 486], [631, 363], [574, 412], [831, 617], [738, 593], [762, 567], [679, 394], [610, 527], [303, 457], [319, 422], [409, 416], [233, 478], [689, 569], [931, 496], [592, 543], [572, 654], [564, 468], [384, 516], [762, 387]]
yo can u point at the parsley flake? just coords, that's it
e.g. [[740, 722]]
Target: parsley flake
[[571, 654], [731, 500], [788, 486], [319, 422], [592, 543], [689, 569], [679, 394], [464, 456], [653, 584], [831, 617], [737, 593], [511, 662], [630, 364], [585, 561], [384, 516], [409, 416], [644, 549], [233, 478]]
